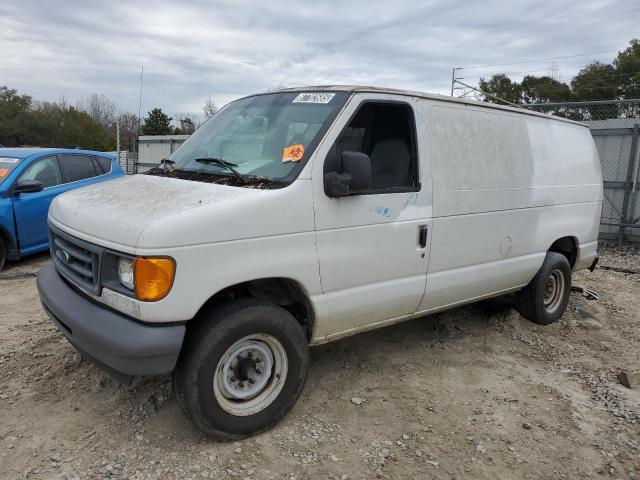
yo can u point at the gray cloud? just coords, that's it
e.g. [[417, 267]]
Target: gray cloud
[[193, 49]]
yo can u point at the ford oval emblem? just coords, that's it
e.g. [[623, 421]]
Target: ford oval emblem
[[64, 256]]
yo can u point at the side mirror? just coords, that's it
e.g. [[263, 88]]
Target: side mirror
[[354, 178], [27, 186]]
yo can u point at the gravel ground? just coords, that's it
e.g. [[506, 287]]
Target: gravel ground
[[477, 392]]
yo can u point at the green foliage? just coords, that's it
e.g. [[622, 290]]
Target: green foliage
[[157, 123], [502, 87], [48, 124], [596, 81], [544, 89], [627, 66], [14, 116]]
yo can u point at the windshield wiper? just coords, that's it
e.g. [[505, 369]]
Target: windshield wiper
[[228, 165]]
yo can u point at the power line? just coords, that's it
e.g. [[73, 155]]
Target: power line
[[529, 71], [589, 77], [538, 60]]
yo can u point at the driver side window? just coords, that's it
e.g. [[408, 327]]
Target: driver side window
[[45, 170], [385, 131]]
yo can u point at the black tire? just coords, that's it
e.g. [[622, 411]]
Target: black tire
[[535, 302], [208, 345], [3, 253]]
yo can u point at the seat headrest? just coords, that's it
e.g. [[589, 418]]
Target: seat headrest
[[390, 154]]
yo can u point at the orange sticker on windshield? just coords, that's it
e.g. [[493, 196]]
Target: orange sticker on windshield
[[293, 153], [4, 172]]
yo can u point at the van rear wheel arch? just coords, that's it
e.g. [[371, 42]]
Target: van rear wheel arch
[[567, 246]]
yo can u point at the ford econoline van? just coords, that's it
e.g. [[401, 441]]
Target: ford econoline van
[[297, 217]]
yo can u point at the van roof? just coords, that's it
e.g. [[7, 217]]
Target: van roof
[[431, 96]]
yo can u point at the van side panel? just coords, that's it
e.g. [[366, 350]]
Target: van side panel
[[505, 187]]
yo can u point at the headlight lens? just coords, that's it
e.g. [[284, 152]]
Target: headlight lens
[[125, 273], [153, 277]]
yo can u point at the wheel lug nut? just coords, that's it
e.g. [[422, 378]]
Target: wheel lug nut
[[251, 381], [250, 354], [241, 385], [258, 371], [258, 360], [232, 379]]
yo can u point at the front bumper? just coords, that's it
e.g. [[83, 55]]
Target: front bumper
[[119, 345]]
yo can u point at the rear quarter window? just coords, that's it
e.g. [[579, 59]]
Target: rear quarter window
[[103, 165], [77, 167]]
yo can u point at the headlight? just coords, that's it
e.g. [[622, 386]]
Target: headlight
[[125, 273]]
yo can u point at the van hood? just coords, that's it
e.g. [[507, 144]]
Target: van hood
[[149, 212]]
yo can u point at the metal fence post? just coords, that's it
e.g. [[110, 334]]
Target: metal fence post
[[625, 220]]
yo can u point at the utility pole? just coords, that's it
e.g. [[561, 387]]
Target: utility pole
[[140, 99], [454, 79], [118, 139], [139, 116]]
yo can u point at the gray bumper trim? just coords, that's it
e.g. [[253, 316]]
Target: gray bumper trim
[[121, 346]]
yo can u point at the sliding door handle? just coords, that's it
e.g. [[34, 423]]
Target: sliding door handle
[[422, 235]]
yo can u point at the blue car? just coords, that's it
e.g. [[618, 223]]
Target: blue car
[[29, 179]]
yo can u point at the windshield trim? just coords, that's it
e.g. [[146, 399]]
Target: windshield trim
[[341, 97]]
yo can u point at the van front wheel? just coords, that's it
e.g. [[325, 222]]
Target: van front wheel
[[545, 298], [242, 369]]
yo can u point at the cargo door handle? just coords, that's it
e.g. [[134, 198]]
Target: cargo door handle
[[422, 237]]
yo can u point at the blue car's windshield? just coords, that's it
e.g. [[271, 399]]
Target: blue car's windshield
[[268, 137], [7, 165]]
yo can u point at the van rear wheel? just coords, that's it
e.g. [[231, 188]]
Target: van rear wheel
[[242, 369], [545, 298]]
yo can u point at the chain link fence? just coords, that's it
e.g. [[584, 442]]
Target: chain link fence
[[615, 126]]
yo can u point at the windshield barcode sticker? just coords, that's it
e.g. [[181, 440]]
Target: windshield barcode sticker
[[314, 98]]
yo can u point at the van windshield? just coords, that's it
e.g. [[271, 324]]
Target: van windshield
[[264, 138], [7, 165]]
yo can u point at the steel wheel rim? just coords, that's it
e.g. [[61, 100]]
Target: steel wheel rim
[[250, 374], [554, 291]]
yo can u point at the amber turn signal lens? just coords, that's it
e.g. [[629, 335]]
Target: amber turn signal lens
[[154, 277]]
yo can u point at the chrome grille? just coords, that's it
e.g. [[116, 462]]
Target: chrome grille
[[76, 260]]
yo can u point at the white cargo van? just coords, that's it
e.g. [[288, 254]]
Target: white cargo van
[[298, 217]]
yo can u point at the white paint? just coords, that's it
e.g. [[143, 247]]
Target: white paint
[[498, 187]]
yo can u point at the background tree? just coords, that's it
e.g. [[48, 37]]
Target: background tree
[[14, 116], [543, 89], [48, 124], [186, 127], [502, 87], [157, 123], [99, 107], [129, 130], [627, 65], [209, 108], [596, 81]]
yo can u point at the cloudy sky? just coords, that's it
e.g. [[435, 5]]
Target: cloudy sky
[[194, 49]]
